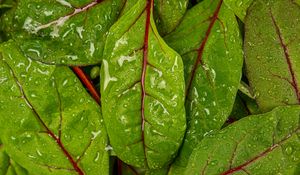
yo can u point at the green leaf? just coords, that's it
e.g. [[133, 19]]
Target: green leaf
[[162, 171], [209, 41], [239, 109], [272, 52], [4, 159], [169, 14], [245, 89], [8, 166], [239, 7], [52, 125], [142, 88], [61, 31], [263, 144]]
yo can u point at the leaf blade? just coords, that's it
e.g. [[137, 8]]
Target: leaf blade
[[274, 66], [245, 153], [209, 41], [138, 57], [53, 135], [62, 32]]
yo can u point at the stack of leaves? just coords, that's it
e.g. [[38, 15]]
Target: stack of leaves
[[208, 87]]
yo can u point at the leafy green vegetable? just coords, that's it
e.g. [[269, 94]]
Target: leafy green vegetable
[[51, 124], [239, 7], [169, 14], [272, 52], [8, 166], [166, 75], [263, 144], [209, 41], [62, 32], [142, 88], [239, 109]]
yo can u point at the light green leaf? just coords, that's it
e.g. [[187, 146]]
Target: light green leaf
[[263, 144], [142, 88], [8, 166], [209, 41], [62, 31], [49, 123], [272, 52]]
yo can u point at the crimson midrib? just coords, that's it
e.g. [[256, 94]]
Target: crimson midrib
[[51, 134], [261, 155], [294, 82], [200, 50], [144, 67]]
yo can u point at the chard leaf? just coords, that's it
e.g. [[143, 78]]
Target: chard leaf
[[272, 52], [263, 144], [239, 7], [209, 42], [62, 31], [8, 166], [142, 88], [239, 110], [52, 125], [169, 14], [162, 171]]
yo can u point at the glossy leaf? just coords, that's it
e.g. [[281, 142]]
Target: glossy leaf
[[209, 42], [272, 52], [52, 125], [142, 88], [169, 14], [239, 7], [263, 144], [60, 31]]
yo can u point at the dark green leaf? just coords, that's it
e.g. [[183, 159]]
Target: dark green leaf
[[239, 7], [209, 41], [169, 14], [263, 144], [52, 125], [142, 88], [8, 166], [62, 32], [272, 52]]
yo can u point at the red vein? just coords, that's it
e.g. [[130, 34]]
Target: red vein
[[76, 11], [145, 62], [287, 57], [49, 132], [202, 46], [119, 167], [87, 83], [261, 155]]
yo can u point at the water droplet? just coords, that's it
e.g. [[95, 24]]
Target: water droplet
[[289, 150], [108, 148], [107, 77]]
